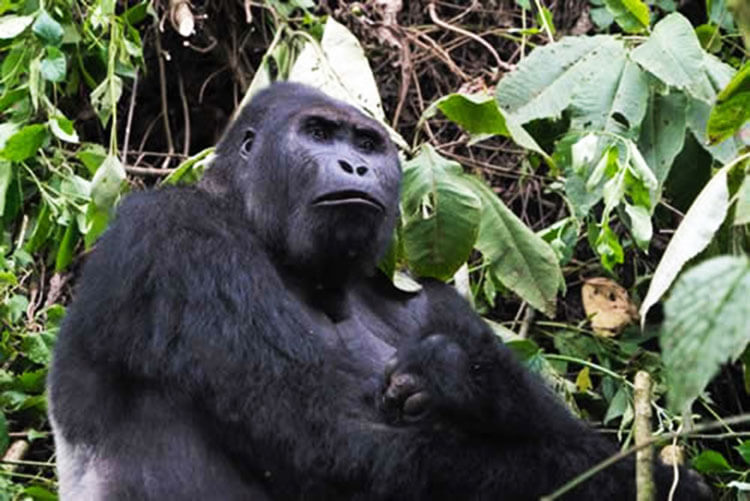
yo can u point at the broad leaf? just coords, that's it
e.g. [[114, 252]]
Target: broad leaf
[[11, 26], [105, 186], [343, 70], [692, 236], [543, 84], [663, 133], [617, 106], [518, 258], [732, 108], [105, 96], [53, 67], [711, 462], [47, 29], [742, 209], [631, 15], [672, 53], [25, 143], [705, 325], [441, 215], [6, 176], [476, 113]]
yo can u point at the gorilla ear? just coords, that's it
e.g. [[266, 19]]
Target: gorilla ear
[[247, 141]]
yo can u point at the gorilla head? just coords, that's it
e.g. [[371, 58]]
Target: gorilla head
[[318, 179]]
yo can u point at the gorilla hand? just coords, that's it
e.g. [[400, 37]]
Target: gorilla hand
[[426, 379]]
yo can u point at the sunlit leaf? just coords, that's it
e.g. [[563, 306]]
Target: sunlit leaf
[[11, 26], [705, 325]]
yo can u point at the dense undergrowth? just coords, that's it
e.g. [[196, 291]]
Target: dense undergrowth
[[577, 168]]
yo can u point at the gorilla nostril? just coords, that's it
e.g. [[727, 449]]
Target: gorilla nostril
[[361, 170], [345, 165]]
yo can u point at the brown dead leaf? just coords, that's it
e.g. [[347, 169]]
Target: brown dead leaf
[[608, 306]]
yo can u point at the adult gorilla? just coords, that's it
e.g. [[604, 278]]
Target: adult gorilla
[[234, 341]]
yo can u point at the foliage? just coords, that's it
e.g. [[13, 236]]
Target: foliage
[[613, 126]]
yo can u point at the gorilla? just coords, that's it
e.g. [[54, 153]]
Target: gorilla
[[234, 340]]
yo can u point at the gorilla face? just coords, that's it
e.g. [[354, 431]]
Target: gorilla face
[[318, 179]]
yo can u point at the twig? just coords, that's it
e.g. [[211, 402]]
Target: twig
[[572, 484], [500, 63], [644, 458], [185, 114], [164, 103], [129, 122], [149, 171]]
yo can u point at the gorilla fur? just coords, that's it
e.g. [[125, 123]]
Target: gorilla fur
[[235, 341]]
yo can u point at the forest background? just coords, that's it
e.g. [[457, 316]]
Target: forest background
[[577, 168]]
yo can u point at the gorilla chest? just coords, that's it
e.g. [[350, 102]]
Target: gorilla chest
[[362, 338]]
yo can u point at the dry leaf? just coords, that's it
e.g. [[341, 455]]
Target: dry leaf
[[608, 306]]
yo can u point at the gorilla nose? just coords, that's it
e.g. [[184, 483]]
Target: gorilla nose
[[347, 167]]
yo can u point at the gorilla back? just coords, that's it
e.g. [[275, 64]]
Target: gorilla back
[[234, 341]]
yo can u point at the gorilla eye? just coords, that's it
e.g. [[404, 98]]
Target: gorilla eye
[[247, 141], [367, 143], [319, 133]]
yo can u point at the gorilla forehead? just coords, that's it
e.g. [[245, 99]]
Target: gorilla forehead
[[275, 107]]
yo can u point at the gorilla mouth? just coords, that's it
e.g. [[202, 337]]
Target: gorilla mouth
[[349, 197]]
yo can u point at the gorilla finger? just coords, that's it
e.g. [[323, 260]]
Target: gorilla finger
[[417, 404]]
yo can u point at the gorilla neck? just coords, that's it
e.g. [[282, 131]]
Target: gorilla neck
[[330, 299]]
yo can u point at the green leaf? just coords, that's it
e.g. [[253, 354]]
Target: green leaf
[[47, 29], [711, 462], [601, 17], [732, 108], [97, 220], [663, 133], [618, 405], [38, 493], [36, 349], [705, 325], [67, 246], [92, 155], [741, 12], [105, 96], [744, 450], [672, 52], [607, 245], [475, 113], [105, 186], [4, 437], [709, 37], [343, 71], [441, 215], [618, 106], [53, 67], [631, 15], [692, 236], [25, 143], [640, 225], [518, 258], [62, 128], [6, 176], [543, 84], [11, 26], [742, 209]]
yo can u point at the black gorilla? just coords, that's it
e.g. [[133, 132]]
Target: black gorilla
[[234, 341]]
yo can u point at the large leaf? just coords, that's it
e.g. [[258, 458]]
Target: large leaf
[[672, 53], [518, 258], [441, 215], [339, 68], [663, 132], [705, 325], [11, 26], [543, 84], [692, 236], [105, 185], [631, 15], [732, 108], [618, 105], [476, 113], [25, 143]]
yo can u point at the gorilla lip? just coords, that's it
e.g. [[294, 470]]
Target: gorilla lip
[[349, 197]]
